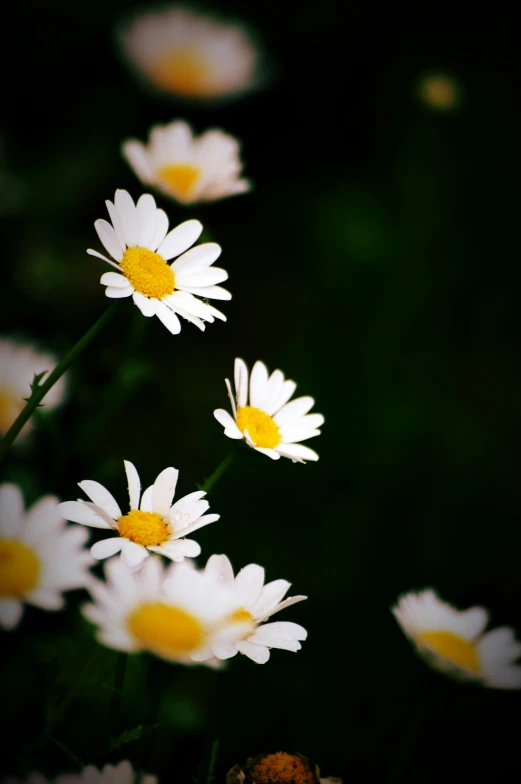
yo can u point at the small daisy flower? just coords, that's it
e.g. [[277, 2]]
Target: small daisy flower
[[19, 364], [190, 55], [268, 423], [154, 525], [280, 767], [175, 613], [139, 243], [453, 641], [255, 603], [122, 773], [186, 168], [40, 556]]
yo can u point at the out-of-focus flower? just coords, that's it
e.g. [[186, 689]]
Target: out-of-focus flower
[[187, 168], [18, 366], [40, 556], [268, 423], [255, 603], [138, 241], [440, 91], [175, 613], [122, 773], [154, 525], [453, 642], [190, 55], [278, 768]]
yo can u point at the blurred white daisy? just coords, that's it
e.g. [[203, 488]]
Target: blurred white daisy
[[122, 773], [139, 242], [175, 613], [18, 366], [269, 423], [453, 641], [153, 525], [255, 603], [40, 556], [190, 55], [190, 169]]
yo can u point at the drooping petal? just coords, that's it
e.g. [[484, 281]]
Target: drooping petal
[[257, 653], [147, 306], [83, 513], [101, 497], [168, 318]]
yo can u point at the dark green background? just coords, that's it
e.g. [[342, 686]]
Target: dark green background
[[377, 264]]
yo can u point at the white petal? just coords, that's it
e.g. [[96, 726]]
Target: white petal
[[104, 258], [101, 496], [257, 653], [241, 382], [114, 280], [146, 305], [134, 484], [146, 220], [160, 230], [197, 259], [11, 509], [133, 554], [127, 212], [109, 238], [208, 292], [180, 239], [168, 318], [200, 279], [179, 549], [10, 613], [297, 452], [106, 548], [220, 568], [81, 512], [281, 634], [118, 293], [282, 606], [294, 410], [164, 489], [225, 650], [116, 222], [258, 385], [135, 153], [200, 523], [271, 594], [146, 499], [248, 584], [230, 428], [272, 453]]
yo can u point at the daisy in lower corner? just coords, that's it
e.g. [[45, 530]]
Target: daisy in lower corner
[[455, 643], [141, 246], [268, 422], [40, 556], [152, 524]]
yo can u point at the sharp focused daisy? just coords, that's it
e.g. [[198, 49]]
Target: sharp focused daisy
[[186, 54], [175, 613], [187, 168], [40, 556], [454, 642], [255, 603], [18, 366], [152, 525], [139, 243], [269, 423], [122, 773]]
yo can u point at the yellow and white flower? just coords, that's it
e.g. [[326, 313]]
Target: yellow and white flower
[[40, 556], [255, 603], [138, 241], [269, 423], [122, 773], [18, 366], [190, 55], [453, 641], [187, 168], [154, 525], [175, 613]]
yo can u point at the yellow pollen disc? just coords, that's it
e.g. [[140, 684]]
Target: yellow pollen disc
[[146, 528], [260, 426], [282, 768], [241, 616], [148, 272], [10, 407], [19, 568], [459, 652], [184, 72], [179, 178], [168, 631]]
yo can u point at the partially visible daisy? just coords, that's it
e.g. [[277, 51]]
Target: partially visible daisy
[[279, 767], [440, 91], [18, 366], [190, 55], [122, 773], [139, 242], [154, 525], [175, 613], [190, 169], [40, 556], [268, 423], [255, 603], [454, 642]]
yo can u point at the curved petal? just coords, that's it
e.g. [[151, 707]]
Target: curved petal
[[146, 305], [220, 569], [230, 428], [135, 153], [133, 554], [11, 611], [114, 280], [109, 238], [248, 584], [257, 653], [127, 212], [81, 512], [241, 382], [101, 497], [164, 489], [180, 239], [297, 452], [106, 548], [168, 318], [118, 293], [134, 484]]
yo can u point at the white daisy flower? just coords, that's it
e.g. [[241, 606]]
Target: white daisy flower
[[18, 366], [122, 773], [268, 423], [154, 525], [190, 55], [454, 642], [187, 168], [255, 603], [139, 243], [175, 613], [40, 556]]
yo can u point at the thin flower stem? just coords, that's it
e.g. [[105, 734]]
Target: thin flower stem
[[117, 692], [219, 471], [40, 390]]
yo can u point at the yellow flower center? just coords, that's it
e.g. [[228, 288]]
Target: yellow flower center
[[167, 631], [184, 72], [148, 272], [146, 528], [282, 768], [19, 569], [10, 407], [457, 651], [260, 426], [241, 616], [179, 178]]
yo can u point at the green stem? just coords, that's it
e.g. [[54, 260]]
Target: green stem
[[40, 390], [219, 471], [115, 700]]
